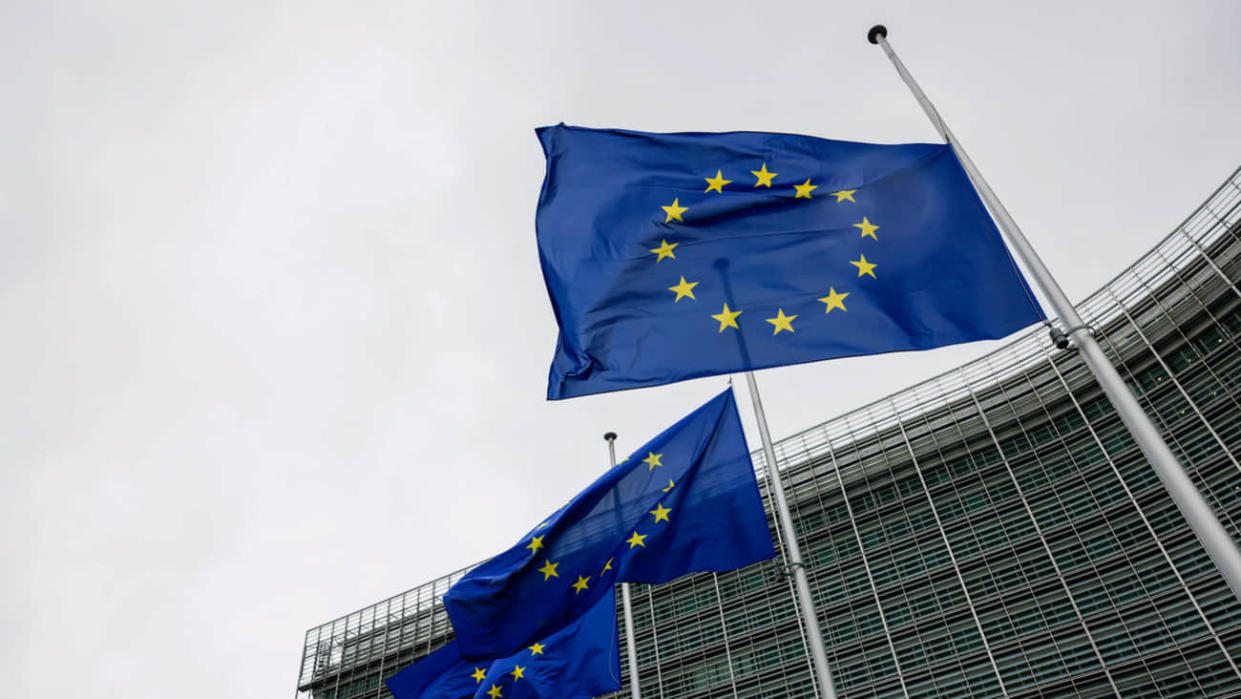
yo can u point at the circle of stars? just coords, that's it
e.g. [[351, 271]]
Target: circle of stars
[[763, 177]]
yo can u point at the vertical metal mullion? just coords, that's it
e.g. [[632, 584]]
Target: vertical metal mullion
[[340, 669], [969, 601], [1142, 515], [659, 674], [1220, 223], [1150, 293], [1210, 262], [301, 673], [1164, 309], [784, 567], [1038, 530], [383, 650], [1206, 257], [874, 589], [1230, 181], [728, 654], [301, 670], [1072, 525], [863, 477], [1179, 386], [402, 629], [1165, 425], [1162, 424], [413, 646], [968, 519], [1206, 485], [435, 602], [795, 507]]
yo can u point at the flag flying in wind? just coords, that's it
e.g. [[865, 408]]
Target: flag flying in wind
[[686, 501], [580, 660], [673, 256]]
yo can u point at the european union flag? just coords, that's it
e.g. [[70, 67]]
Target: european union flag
[[674, 256], [686, 501], [580, 660]]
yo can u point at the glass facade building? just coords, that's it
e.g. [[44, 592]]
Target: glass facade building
[[993, 531]]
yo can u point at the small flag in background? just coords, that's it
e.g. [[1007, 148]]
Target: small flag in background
[[581, 660], [673, 256], [686, 501]]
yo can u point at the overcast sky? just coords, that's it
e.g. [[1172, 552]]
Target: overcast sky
[[274, 337]]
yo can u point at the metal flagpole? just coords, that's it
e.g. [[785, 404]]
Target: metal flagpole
[[625, 603], [1214, 538], [814, 636]]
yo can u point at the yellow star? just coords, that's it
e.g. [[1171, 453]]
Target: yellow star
[[868, 228], [804, 189], [764, 177], [536, 543], [864, 267], [834, 300], [606, 567], [661, 513], [664, 250], [636, 540], [542, 526], [674, 211], [517, 672], [683, 289], [581, 584], [549, 570], [727, 318], [717, 183], [671, 485], [536, 649], [782, 322], [652, 460], [494, 692], [843, 195], [478, 674]]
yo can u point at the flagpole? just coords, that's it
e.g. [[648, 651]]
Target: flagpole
[[814, 636], [792, 552], [632, 645], [1201, 518]]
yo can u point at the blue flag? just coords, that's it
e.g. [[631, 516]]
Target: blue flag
[[686, 501], [673, 256], [580, 660]]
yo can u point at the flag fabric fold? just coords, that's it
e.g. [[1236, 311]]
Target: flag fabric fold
[[579, 661], [686, 501], [675, 256]]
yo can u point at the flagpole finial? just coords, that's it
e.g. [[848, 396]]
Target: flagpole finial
[[610, 436], [877, 32]]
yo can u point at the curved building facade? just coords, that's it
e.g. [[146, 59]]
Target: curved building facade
[[993, 531]]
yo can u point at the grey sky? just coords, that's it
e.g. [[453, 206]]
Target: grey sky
[[275, 341]]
